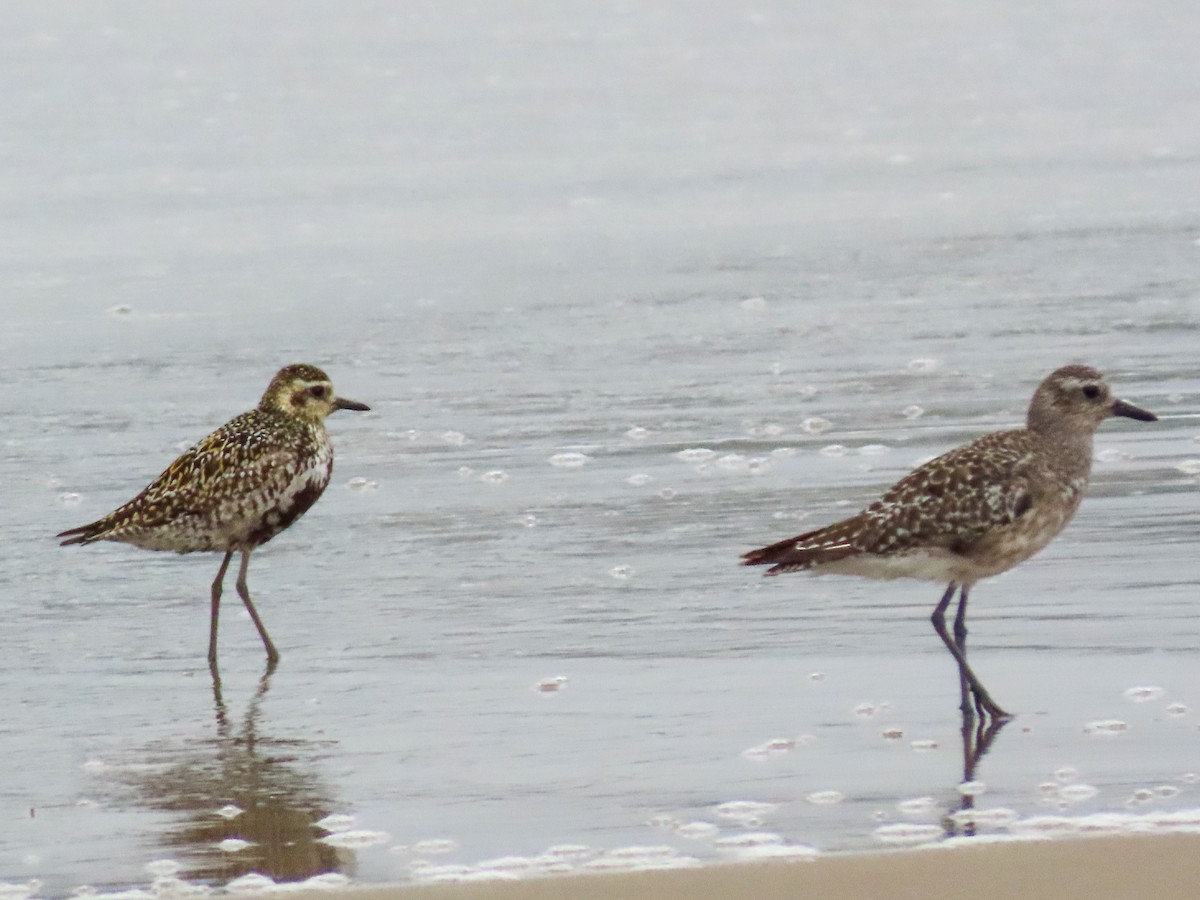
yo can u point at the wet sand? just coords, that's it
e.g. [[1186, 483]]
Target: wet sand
[[1159, 866]]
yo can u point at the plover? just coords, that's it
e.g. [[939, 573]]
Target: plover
[[973, 512], [238, 488]]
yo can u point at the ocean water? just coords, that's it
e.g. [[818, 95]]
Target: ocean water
[[631, 289]]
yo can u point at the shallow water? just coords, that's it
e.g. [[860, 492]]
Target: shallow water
[[561, 252]]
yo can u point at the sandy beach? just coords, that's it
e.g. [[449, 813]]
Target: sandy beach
[[1162, 867]]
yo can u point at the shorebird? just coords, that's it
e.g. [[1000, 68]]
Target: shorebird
[[238, 488], [973, 512]]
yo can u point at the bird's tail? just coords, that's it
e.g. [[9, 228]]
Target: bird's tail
[[84, 534], [805, 551]]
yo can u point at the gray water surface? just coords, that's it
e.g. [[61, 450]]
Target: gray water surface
[[560, 250]]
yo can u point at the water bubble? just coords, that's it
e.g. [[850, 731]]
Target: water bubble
[[924, 365], [825, 798], [639, 479], [972, 788], [356, 839], [913, 412], [326, 881], [833, 450], [1106, 727], [529, 520], [496, 476], [754, 303], [1176, 709], [638, 433], [454, 438], [697, 831], [743, 810], [621, 573], [1143, 795], [1077, 793], [570, 852], [737, 842], [1189, 777], [1066, 774], [905, 834], [866, 710], [336, 822], [359, 483], [1189, 467], [70, 498], [1143, 694], [230, 811], [233, 845], [816, 676], [917, 806], [696, 454], [816, 425], [550, 685], [992, 817], [1166, 791], [250, 883], [434, 846], [569, 460]]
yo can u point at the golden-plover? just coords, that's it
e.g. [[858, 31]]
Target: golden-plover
[[238, 488], [973, 512]]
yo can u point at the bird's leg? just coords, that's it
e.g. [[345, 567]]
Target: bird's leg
[[216, 610], [244, 593], [983, 701], [960, 638]]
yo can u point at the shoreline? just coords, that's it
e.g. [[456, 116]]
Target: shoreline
[[1108, 867]]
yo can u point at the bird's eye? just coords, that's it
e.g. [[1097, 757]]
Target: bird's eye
[[1091, 391], [317, 390]]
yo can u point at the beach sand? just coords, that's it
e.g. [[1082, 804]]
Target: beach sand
[[1140, 867]]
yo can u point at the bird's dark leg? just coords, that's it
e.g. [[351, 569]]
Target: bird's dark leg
[[983, 701], [244, 593], [960, 638], [216, 609]]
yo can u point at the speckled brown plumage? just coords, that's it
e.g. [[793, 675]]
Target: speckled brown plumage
[[239, 487], [973, 512]]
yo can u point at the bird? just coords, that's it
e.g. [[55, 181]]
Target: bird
[[238, 487], [971, 513]]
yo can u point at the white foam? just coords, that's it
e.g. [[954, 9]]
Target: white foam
[[638, 433], [1176, 710], [434, 846], [917, 806], [913, 411], [621, 573], [454, 438], [833, 450], [905, 834], [825, 798], [496, 476], [355, 839], [697, 831], [1189, 467], [1143, 694], [336, 822], [991, 817], [696, 454], [229, 811], [816, 425], [639, 480], [569, 460], [743, 810], [550, 685], [234, 845], [570, 852], [1106, 727], [250, 883], [972, 788], [923, 746]]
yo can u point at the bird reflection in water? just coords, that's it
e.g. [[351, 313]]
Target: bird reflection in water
[[978, 734], [274, 784]]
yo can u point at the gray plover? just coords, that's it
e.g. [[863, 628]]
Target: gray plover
[[973, 512], [238, 488]]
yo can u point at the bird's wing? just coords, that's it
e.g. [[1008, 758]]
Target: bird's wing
[[949, 502], [219, 467]]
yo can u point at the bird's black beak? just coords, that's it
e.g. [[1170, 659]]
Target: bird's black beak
[[343, 403], [1129, 411]]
